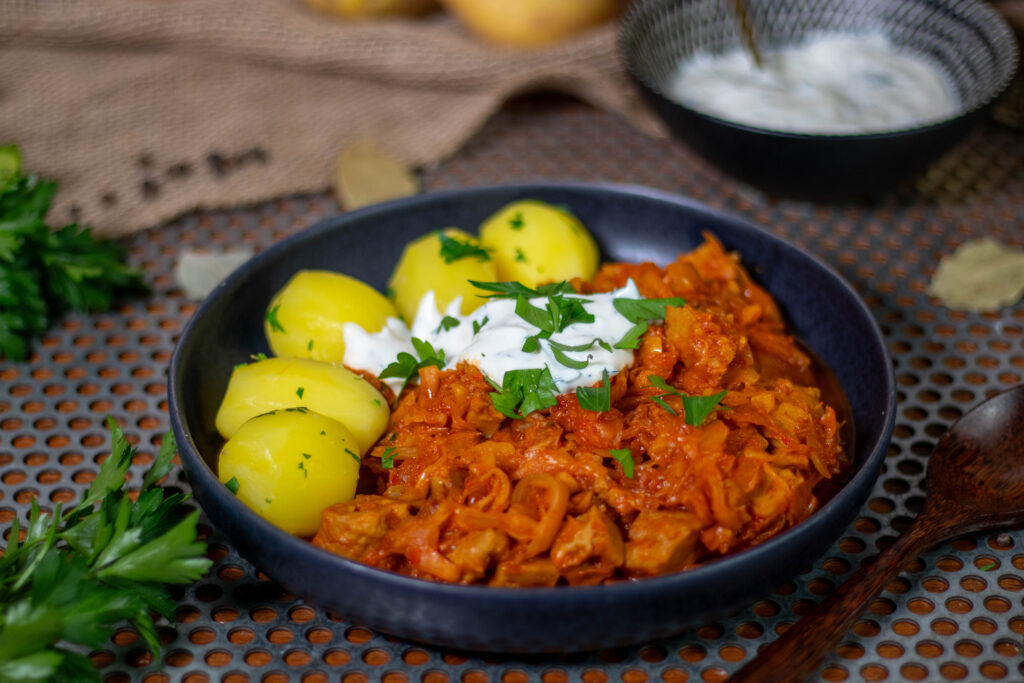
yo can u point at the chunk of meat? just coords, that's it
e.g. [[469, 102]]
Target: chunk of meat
[[588, 548], [662, 541], [354, 528]]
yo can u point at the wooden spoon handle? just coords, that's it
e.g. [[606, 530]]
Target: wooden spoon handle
[[798, 652]]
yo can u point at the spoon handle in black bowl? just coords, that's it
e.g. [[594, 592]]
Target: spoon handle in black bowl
[[799, 651]]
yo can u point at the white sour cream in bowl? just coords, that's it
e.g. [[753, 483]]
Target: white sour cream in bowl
[[830, 84]]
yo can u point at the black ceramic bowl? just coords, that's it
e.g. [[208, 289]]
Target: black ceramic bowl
[[967, 39], [630, 224]]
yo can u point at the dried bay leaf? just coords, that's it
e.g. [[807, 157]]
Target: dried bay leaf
[[198, 272], [366, 175], [981, 275]]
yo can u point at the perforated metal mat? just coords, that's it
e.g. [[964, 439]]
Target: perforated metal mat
[[956, 614]]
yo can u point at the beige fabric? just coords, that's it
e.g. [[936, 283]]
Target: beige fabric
[[143, 109]]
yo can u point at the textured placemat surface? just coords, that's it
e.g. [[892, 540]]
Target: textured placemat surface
[[956, 614]]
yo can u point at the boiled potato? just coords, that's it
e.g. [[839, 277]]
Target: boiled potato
[[289, 465], [305, 318], [276, 383], [533, 243], [530, 23], [423, 267]]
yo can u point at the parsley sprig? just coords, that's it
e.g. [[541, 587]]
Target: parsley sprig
[[454, 249], [524, 391], [596, 399], [406, 365], [640, 312], [558, 313], [78, 573], [695, 408], [513, 290], [44, 272]]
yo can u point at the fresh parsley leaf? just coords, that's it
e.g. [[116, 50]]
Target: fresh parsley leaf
[[300, 391], [477, 326], [75, 575], [511, 290], [988, 567], [387, 458], [309, 346], [568, 362], [258, 356], [232, 485], [625, 458], [631, 339], [524, 391], [428, 355], [355, 456], [516, 222], [596, 399], [275, 324], [45, 272], [447, 323], [454, 249], [635, 310], [406, 365], [695, 408], [520, 256]]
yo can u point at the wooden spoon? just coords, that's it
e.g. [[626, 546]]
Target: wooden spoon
[[975, 482]]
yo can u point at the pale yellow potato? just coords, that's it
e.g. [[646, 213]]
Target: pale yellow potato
[[331, 390], [289, 465], [423, 268], [305, 318], [533, 242]]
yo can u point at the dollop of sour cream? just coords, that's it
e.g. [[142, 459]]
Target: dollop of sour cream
[[492, 337], [829, 84]]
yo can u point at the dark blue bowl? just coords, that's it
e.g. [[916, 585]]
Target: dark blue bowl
[[630, 224], [967, 39]]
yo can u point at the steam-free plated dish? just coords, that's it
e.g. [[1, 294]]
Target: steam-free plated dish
[[618, 425], [628, 225]]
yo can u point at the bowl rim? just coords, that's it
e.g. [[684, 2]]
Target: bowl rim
[[300, 548], [994, 18]]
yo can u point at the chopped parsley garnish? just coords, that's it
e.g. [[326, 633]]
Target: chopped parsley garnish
[[387, 458], [268, 501], [300, 391], [516, 222], [596, 399], [477, 326], [453, 249], [988, 567], [558, 351], [376, 402], [259, 356], [232, 485], [406, 366], [558, 313], [631, 339], [625, 458], [524, 391], [447, 323], [695, 408], [305, 472], [323, 432], [354, 456], [512, 290], [307, 456], [394, 435], [640, 312], [309, 346], [275, 324], [520, 256]]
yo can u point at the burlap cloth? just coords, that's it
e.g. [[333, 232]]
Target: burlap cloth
[[143, 109]]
